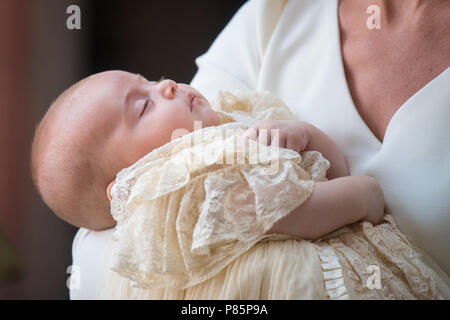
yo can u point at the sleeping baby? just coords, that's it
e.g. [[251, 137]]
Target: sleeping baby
[[187, 195], [108, 121]]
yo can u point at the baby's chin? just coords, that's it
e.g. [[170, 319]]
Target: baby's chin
[[208, 115], [101, 223], [215, 120], [210, 119]]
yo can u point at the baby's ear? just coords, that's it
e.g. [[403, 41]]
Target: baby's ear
[[108, 190]]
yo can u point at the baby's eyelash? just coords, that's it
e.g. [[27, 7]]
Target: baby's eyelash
[[145, 107]]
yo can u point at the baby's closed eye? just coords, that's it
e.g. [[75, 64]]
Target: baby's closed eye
[[143, 105]]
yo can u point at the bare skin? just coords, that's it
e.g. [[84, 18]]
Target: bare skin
[[385, 67], [335, 203], [112, 118]]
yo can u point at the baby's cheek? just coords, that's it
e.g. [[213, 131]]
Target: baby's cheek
[[177, 129]]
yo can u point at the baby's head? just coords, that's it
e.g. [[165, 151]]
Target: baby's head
[[100, 125]]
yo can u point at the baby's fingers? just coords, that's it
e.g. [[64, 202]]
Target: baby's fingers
[[275, 139], [264, 136], [293, 145], [251, 133]]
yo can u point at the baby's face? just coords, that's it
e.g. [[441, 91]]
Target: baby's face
[[133, 116]]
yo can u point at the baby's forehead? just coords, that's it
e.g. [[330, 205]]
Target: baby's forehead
[[84, 104], [93, 96], [113, 83], [100, 88], [118, 77], [116, 81], [79, 113]]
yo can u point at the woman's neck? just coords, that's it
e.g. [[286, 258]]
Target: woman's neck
[[398, 11], [393, 10]]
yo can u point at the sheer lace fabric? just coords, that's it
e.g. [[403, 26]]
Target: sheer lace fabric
[[189, 208], [404, 270], [190, 224], [337, 267]]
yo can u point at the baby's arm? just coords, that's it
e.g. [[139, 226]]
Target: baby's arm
[[301, 136], [334, 204], [319, 141]]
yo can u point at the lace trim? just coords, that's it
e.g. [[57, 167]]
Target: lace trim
[[126, 178], [183, 213], [332, 272]]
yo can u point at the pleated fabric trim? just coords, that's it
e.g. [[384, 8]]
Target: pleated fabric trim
[[332, 272]]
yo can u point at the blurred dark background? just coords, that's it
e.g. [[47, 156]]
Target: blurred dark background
[[39, 58]]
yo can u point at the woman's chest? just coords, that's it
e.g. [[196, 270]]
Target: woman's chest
[[385, 68], [404, 91], [348, 84]]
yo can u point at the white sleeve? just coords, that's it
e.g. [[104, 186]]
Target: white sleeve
[[233, 61], [89, 250]]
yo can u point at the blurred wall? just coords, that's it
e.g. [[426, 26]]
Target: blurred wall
[[43, 58], [156, 38], [39, 58], [14, 93]]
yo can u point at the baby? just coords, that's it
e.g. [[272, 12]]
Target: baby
[[184, 236], [110, 120]]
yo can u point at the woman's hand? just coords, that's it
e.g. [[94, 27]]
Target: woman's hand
[[290, 134]]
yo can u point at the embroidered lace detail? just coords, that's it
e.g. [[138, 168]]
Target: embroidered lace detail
[[368, 252], [242, 105], [332, 272], [180, 221], [192, 206]]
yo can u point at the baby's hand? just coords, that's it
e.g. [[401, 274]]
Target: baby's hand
[[290, 134]]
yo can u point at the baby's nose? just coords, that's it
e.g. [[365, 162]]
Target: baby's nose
[[168, 87]]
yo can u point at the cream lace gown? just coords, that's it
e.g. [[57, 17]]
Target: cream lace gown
[[191, 218]]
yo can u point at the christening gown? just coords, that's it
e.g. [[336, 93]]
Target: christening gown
[[192, 217]]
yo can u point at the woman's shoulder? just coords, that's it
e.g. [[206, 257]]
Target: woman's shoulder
[[236, 57]]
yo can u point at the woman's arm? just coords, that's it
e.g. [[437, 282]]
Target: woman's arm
[[89, 263], [234, 60], [334, 204]]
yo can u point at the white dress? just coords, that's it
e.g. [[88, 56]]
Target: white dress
[[293, 50]]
